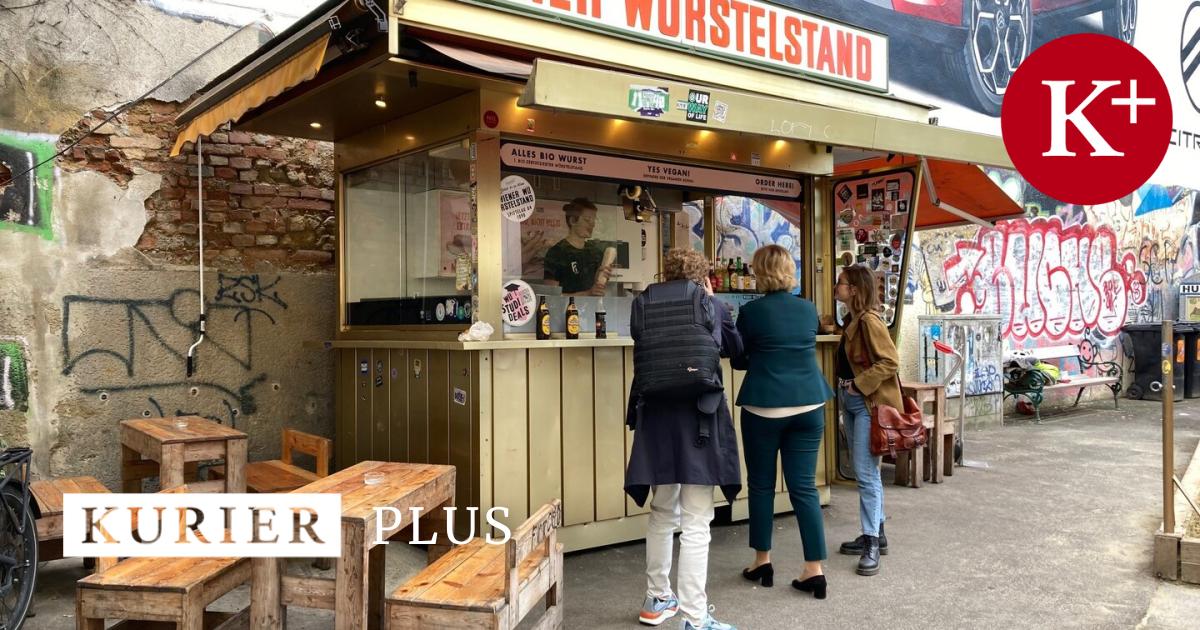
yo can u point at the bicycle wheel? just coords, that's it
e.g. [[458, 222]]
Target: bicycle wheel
[[18, 559]]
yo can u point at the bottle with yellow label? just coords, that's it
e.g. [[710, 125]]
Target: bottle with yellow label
[[543, 319], [572, 320]]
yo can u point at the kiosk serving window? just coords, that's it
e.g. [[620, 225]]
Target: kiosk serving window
[[410, 222], [594, 227]]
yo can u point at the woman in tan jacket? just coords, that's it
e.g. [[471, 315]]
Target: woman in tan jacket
[[867, 363]]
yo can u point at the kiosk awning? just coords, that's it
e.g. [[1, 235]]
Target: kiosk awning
[[562, 86], [955, 192], [296, 69]]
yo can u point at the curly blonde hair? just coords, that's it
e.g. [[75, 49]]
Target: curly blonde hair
[[774, 269], [681, 264]]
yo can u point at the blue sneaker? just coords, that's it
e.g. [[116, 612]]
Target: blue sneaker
[[708, 624], [655, 611]]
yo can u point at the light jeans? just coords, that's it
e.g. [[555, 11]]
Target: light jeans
[[691, 508], [857, 417]]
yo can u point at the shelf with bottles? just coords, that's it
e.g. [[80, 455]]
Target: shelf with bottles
[[732, 276]]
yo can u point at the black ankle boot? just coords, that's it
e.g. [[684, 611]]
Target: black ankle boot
[[855, 547], [815, 585], [868, 564]]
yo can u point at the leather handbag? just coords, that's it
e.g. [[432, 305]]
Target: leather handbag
[[893, 429]]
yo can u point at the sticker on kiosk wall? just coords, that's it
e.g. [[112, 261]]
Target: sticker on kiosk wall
[[518, 302], [517, 200]]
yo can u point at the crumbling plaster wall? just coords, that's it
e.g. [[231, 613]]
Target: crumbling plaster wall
[[98, 288]]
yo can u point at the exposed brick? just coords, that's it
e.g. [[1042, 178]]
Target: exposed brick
[[240, 163], [248, 176], [266, 239], [215, 217], [254, 201], [328, 194], [232, 227], [257, 152], [311, 257], [266, 255], [242, 240], [288, 191], [224, 172], [240, 137], [241, 189], [219, 137], [309, 204], [310, 192], [222, 149], [188, 228], [264, 189], [257, 227], [218, 160]]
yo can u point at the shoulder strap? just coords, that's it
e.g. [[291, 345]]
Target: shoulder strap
[[867, 348]]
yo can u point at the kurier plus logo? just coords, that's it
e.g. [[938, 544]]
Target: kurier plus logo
[[1087, 119]]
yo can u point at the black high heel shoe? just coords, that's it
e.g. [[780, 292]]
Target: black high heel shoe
[[815, 585], [763, 573]]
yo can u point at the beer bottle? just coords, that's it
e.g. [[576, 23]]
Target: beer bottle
[[543, 319], [737, 275], [572, 319]]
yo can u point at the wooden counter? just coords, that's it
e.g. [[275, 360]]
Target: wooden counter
[[524, 421]]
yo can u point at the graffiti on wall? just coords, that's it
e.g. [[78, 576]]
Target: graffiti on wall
[[138, 348], [1044, 278], [26, 189], [14, 376]]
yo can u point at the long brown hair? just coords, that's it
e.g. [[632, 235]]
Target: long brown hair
[[865, 297]]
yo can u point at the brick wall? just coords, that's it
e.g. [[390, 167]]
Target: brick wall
[[267, 199]]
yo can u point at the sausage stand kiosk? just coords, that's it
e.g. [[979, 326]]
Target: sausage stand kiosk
[[493, 154]]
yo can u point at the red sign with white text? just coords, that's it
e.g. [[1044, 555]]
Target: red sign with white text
[[745, 30]]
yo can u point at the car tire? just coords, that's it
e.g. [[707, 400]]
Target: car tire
[[983, 61], [1120, 19]]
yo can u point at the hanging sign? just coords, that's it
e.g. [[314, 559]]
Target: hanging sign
[[517, 303], [516, 198], [746, 31], [580, 163]]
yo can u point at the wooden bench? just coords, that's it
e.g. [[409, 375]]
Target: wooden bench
[[480, 585], [281, 475], [161, 592], [1033, 384], [48, 497]]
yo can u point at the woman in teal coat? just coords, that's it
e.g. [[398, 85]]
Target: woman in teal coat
[[783, 416]]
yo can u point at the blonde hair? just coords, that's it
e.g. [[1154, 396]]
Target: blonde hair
[[685, 264], [774, 269], [865, 297]]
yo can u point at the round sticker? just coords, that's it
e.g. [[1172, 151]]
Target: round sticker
[[517, 303], [440, 311], [861, 235], [847, 259], [516, 198], [491, 119]]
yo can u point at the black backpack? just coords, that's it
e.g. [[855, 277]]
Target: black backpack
[[674, 352]]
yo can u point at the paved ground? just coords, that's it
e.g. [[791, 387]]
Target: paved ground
[[1055, 533]]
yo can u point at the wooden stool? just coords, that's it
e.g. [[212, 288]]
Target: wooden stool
[[171, 590], [479, 585], [48, 495], [913, 466], [280, 475]]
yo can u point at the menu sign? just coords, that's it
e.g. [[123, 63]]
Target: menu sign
[[579, 163], [748, 31]]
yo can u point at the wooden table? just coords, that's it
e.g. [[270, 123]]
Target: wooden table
[[356, 594], [157, 445]]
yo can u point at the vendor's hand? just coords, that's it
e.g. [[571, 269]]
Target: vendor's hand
[[595, 291], [708, 286], [603, 275], [827, 324]]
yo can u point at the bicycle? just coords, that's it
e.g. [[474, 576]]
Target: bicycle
[[18, 538]]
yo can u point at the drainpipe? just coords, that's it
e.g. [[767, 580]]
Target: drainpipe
[[200, 219]]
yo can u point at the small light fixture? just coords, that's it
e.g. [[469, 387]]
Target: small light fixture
[[380, 103], [314, 124], [410, 137]]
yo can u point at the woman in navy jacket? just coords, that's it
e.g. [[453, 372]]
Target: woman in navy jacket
[[783, 415]]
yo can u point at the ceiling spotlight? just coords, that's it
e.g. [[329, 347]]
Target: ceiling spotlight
[[314, 124], [410, 137], [380, 103]]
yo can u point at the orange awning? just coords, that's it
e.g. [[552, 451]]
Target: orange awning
[[961, 186], [297, 69]]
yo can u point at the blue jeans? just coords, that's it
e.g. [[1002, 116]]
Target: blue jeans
[[857, 417]]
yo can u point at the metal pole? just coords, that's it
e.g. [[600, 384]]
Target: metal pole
[[1168, 421]]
